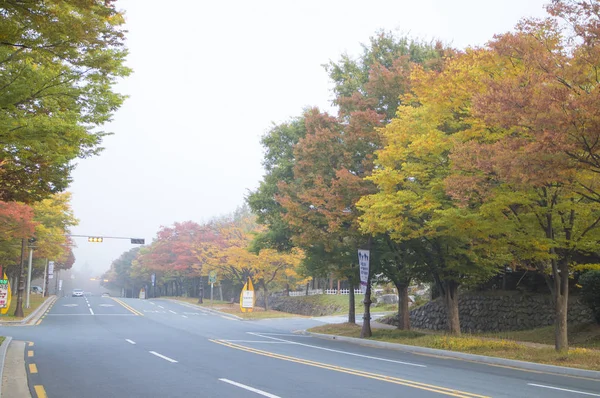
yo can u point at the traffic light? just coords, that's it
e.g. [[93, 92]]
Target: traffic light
[[95, 239], [137, 241]]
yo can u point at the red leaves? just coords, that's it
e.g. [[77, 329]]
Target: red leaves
[[16, 221]]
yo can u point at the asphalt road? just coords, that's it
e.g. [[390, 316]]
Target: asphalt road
[[103, 347]]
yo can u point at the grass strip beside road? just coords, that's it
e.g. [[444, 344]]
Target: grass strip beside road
[[35, 300], [582, 358]]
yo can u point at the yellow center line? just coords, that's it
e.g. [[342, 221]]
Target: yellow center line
[[30, 353], [40, 391], [375, 376], [128, 307], [32, 368]]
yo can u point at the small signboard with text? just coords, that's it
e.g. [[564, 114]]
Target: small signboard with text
[[247, 297], [363, 262], [5, 295]]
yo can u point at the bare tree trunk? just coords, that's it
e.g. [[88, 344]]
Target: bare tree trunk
[[351, 309], [561, 301], [200, 291], [403, 310], [451, 300], [266, 297]]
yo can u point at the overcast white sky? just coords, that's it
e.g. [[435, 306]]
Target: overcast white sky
[[210, 78]]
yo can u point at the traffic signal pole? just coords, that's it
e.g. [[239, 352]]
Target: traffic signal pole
[[100, 239]]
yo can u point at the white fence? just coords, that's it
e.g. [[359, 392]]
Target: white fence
[[327, 291]]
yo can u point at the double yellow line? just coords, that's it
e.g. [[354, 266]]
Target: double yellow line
[[128, 307], [390, 379]]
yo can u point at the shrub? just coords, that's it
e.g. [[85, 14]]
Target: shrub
[[590, 291]]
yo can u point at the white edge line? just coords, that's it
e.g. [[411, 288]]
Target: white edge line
[[340, 352], [185, 316], [160, 306], [255, 390], [256, 341], [91, 312], [172, 312], [130, 341], [162, 356], [564, 389], [228, 318], [152, 303]]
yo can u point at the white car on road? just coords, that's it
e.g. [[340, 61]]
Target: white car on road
[[77, 292]]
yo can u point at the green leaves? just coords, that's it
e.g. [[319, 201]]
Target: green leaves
[[58, 63]]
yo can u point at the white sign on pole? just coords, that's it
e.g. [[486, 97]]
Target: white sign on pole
[[248, 299], [363, 262], [50, 269], [59, 285], [3, 295]]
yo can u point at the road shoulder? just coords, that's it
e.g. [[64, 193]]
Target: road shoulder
[[495, 361], [14, 375]]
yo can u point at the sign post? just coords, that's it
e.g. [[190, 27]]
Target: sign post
[[364, 257], [247, 297], [212, 279], [363, 262]]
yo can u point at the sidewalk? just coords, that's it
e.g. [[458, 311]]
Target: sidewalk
[[14, 375]]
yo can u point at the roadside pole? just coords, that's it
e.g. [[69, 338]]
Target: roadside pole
[[364, 257], [211, 294], [45, 278], [29, 276]]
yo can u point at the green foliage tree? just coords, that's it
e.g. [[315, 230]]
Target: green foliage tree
[[59, 61], [278, 162]]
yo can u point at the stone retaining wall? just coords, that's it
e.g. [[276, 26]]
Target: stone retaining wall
[[483, 313]]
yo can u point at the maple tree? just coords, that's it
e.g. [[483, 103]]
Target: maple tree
[[54, 216], [533, 169], [411, 204], [336, 153], [172, 253]]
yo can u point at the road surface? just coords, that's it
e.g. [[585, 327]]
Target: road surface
[[104, 347]]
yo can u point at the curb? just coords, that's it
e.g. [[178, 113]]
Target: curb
[[37, 313], [558, 370], [3, 349], [216, 312]]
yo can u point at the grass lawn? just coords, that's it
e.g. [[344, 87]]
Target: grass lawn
[[577, 357], [2, 338], [583, 336], [35, 300]]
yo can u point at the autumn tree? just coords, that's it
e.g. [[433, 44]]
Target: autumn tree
[[172, 253], [336, 153], [411, 205], [534, 169], [60, 60]]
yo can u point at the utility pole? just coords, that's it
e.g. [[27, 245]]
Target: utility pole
[[20, 282], [44, 287], [29, 273]]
